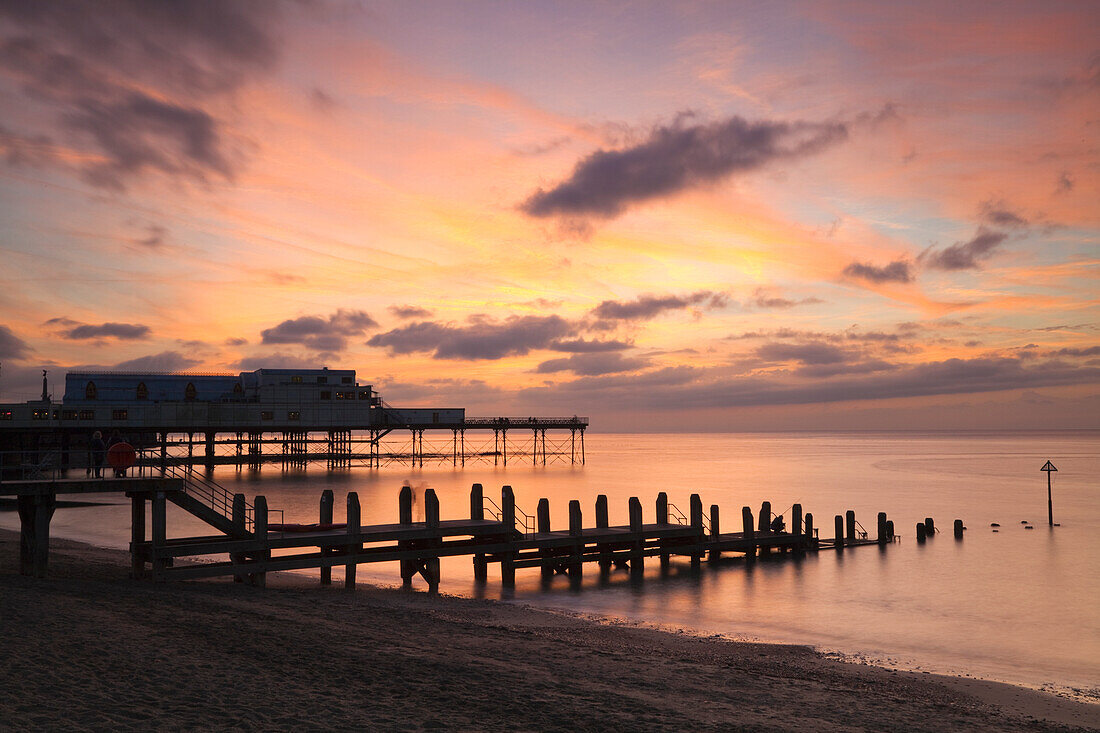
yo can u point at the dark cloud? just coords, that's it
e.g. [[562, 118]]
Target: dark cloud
[[18, 150], [121, 331], [999, 214], [764, 299], [320, 334], [898, 271], [276, 360], [130, 80], [650, 306], [966, 255], [593, 364], [154, 237], [11, 346], [581, 346], [166, 361], [409, 311], [482, 338], [1065, 183], [698, 388], [813, 352], [1088, 351], [236, 341], [674, 158]]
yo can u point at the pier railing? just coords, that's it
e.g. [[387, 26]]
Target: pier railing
[[522, 518], [526, 421]]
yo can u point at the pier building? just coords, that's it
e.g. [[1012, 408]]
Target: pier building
[[288, 416]]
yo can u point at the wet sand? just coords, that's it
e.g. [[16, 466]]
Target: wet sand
[[89, 649]]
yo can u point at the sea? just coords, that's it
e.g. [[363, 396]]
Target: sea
[[1018, 602]]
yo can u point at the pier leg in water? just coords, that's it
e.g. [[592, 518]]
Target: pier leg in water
[[810, 540], [637, 559], [508, 526], [890, 529], [542, 518], [959, 529], [259, 516], [883, 537], [715, 534], [662, 518], [696, 516], [137, 535], [477, 512], [404, 514], [430, 568], [240, 527], [602, 523], [922, 531], [850, 517], [576, 567], [764, 525], [796, 528], [326, 518], [748, 521], [355, 544], [929, 527], [838, 524]]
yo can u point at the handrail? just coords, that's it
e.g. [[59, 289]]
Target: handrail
[[862, 531], [681, 519], [525, 421], [528, 520]]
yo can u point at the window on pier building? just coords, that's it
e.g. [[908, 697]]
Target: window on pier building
[[40, 415], [142, 391], [189, 392], [294, 415], [328, 395], [322, 380], [345, 380], [119, 414], [238, 390], [435, 417], [5, 414], [68, 414], [90, 392], [364, 395], [87, 414], [296, 379]]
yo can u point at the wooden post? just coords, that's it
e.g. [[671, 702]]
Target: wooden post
[[695, 514], [137, 535], [810, 540], [431, 521], [240, 531], [576, 567], [838, 524], [259, 505], [662, 508], [508, 525], [959, 529], [477, 512], [355, 542], [890, 529], [750, 534], [477, 502], [922, 532], [405, 517], [325, 517], [796, 522], [882, 533], [159, 534], [850, 519], [637, 560], [929, 527], [602, 523], [542, 526], [764, 526], [715, 553]]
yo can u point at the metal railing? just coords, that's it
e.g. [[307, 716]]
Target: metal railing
[[526, 421], [680, 518], [521, 516]]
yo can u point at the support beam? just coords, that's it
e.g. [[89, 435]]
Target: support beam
[[137, 536], [160, 533], [508, 528], [355, 541], [477, 512], [715, 553], [324, 516], [542, 526], [747, 522], [576, 567], [259, 524]]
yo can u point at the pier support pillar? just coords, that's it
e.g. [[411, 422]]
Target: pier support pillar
[[325, 517], [405, 517], [259, 531], [355, 540], [542, 526], [159, 534], [764, 525], [429, 569], [838, 525], [35, 513], [715, 534], [477, 513], [637, 558], [749, 532], [508, 527], [810, 540], [137, 536], [883, 537], [602, 523], [241, 530], [576, 567], [662, 518], [959, 529], [695, 515]]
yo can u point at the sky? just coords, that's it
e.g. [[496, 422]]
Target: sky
[[686, 216]]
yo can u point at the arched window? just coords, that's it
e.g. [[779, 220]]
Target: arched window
[[90, 392], [189, 392], [238, 390], [142, 391]]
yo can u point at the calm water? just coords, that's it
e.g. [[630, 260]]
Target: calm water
[[1015, 605]]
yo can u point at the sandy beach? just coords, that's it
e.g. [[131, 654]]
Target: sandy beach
[[89, 649]]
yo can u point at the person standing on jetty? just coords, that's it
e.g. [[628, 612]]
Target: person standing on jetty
[[98, 450]]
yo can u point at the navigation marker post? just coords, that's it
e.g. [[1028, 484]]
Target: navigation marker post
[[1048, 467]]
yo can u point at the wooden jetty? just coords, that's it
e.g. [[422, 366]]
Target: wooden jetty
[[248, 545]]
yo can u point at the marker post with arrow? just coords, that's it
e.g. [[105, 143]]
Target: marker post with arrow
[[1048, 467]]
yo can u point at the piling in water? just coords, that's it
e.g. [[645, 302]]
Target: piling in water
[[838, 525], [929, 526], [959, 529], [922, 531]]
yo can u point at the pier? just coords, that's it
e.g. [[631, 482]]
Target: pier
[[248, 544]]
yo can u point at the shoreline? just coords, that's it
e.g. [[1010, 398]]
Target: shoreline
[[215, 654]]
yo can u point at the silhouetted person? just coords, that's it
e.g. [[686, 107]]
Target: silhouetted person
[[777, 524], [98, 450]]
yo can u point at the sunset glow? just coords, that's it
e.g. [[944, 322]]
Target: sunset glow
[[688, 216]]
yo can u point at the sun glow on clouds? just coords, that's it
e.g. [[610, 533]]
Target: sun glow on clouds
[[903, 200]]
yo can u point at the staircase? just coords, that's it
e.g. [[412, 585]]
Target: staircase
[[210, 502]]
